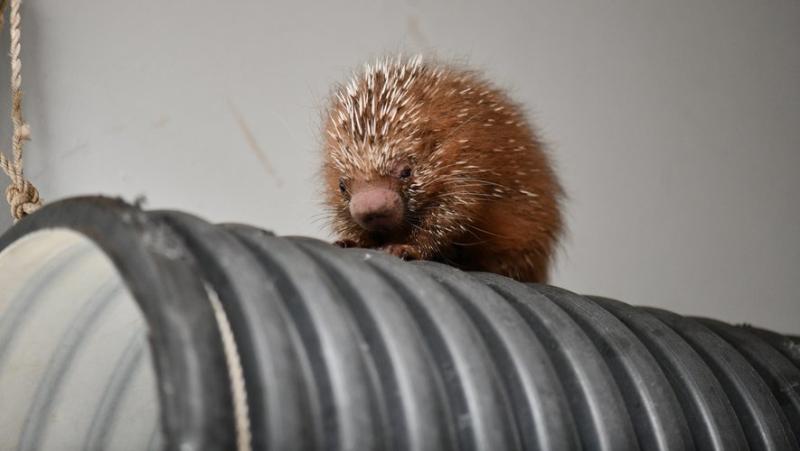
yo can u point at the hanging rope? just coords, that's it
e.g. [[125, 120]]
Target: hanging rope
[[21, 194]]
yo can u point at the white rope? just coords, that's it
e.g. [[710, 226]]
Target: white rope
[[21, 194], [235, 373]]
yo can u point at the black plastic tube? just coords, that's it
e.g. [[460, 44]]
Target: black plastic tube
[[354, 349]]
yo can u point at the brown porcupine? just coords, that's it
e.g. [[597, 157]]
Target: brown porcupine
[[427, 160]]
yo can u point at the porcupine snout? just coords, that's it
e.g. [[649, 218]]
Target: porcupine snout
[[377, 209]]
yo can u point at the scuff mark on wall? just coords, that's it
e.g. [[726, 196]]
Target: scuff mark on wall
[[114, 129], [81, 146], [160, 122], [254, 145], [416, 33]]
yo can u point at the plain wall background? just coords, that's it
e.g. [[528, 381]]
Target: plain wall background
[[675, 125]]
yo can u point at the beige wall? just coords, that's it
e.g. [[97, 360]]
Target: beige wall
[[676, 125]]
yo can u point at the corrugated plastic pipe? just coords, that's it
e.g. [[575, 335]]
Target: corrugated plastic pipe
[[125, 329]]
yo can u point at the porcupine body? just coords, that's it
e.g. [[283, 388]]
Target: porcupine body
[[427, 160]]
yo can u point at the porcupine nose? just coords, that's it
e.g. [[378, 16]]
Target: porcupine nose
[[377, 209]]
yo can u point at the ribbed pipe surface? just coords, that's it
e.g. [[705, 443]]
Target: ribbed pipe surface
[[356, 350]]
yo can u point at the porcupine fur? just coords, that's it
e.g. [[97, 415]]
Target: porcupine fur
[[450, 164]]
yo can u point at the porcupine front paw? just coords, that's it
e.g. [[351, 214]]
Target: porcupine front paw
[[404, 251]]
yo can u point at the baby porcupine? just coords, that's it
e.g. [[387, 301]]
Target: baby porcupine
[[427, 160]]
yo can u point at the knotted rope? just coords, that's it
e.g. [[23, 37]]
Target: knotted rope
[[21, 194]]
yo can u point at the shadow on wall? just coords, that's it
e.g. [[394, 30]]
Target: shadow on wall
[[6, 220]]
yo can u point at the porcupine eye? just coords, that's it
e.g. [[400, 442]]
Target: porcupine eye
[[406, 173], [342, 187]]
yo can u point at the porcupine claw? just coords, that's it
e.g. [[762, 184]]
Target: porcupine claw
[[403, 251], [344, 244]]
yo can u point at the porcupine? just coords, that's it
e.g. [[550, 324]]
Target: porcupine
[[427, 160]]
